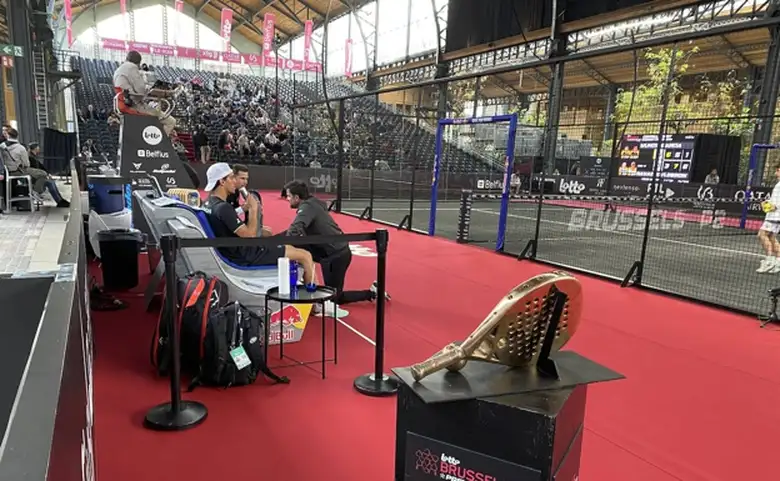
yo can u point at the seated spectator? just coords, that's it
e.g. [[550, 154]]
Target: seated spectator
[[17, 161], [221, 184], [33, 151]]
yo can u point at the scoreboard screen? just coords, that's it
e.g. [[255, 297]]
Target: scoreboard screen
[[640, 155]]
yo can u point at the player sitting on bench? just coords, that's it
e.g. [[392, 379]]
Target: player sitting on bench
[[221, 183]]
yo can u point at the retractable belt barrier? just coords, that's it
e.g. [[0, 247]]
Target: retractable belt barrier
[[177, 415]]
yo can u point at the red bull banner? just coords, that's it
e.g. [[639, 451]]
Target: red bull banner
[[308, 28], [226, 26], [250, 59], [348, 58], [68, 22], [289, 323]]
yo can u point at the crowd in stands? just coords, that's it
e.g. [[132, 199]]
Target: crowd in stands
[[241, 119]]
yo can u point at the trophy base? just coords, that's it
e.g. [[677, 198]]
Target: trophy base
[[524, 437]]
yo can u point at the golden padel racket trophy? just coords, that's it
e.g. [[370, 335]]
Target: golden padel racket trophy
[[533, 320]]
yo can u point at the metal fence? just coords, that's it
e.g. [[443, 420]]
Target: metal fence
[[580, 196]]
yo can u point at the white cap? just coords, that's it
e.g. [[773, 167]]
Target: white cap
[[216, 172]]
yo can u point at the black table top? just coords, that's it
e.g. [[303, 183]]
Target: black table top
[[302, 296]]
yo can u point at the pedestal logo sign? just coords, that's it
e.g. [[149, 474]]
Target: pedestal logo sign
[[145, 149], [428, 459]]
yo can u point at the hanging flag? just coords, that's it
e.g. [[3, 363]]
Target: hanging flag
[[348, 58], [125, 19], [179, 5], [69, 22], [227, 26], [307, 29], [269, 23]]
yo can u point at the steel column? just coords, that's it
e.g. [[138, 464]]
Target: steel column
[[24, 96]]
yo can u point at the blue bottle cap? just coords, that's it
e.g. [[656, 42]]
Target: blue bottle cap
[[311, 287]]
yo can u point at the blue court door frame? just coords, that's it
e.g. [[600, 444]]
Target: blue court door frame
[[509, 161]]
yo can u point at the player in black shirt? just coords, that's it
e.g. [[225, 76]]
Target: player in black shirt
[[242, 180], [225, 223]]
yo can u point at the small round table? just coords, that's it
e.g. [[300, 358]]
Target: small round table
[[302, 296]]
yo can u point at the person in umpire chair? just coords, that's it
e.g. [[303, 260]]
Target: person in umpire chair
[[224, 221], [129, 80], [313, 218]]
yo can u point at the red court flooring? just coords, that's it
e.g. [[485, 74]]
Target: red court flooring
[[699, 402]]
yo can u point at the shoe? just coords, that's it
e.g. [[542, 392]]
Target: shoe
[[766, 265], [330, 307], [775, 267], [374, 288], [63, 204]]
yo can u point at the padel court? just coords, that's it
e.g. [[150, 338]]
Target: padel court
[[684, 255], [696, 404]]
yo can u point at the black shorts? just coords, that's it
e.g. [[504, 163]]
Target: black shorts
[[269, 256], [254, 256]]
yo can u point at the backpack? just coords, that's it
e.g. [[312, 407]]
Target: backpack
[[230, 349], [198, 294]]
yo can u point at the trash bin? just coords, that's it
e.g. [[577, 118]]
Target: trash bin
[[119, 258], [106, 194]]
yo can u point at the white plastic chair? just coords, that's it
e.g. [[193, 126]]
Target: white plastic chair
[[10, 180]]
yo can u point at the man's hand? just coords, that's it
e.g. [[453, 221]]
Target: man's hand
[[251, 204], [267, 232]]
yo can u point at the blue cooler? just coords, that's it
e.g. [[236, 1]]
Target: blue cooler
[[106, 194]]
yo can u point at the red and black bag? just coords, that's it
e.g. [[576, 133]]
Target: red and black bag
[[198, 296]]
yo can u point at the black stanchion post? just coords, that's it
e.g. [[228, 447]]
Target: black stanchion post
[[176, 415], [378, 383]]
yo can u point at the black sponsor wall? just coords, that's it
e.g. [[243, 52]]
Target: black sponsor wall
[[357, 184], [147, 150]]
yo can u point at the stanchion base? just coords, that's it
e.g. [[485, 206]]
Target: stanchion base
[[161, 418], [369, 385]]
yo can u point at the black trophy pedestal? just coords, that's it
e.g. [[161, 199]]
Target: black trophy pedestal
[[492, 423]]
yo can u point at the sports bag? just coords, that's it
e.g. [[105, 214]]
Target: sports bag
[[231, 350], [198, 294]]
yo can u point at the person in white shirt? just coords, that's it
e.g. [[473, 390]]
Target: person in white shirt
[[767, 235], [128, 77]]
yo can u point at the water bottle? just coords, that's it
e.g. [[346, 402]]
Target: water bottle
[[293, 278]]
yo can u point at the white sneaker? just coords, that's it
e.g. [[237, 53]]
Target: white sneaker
[[775, 267], [766, 265], [374, 288], [330, 310]]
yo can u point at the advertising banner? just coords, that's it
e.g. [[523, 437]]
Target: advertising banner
[[226, 26], [429, 459], [147, 150], [250, 59], [269, 25], [68, 22], [348, 58], [308, 28], [179, 7]]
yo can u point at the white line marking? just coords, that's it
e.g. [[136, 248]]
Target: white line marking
[[360, 334], [661, 239]]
